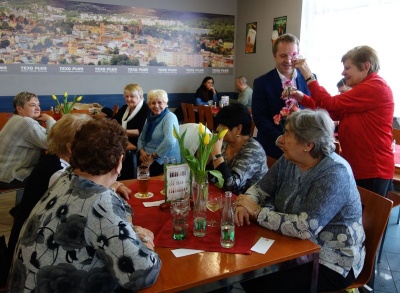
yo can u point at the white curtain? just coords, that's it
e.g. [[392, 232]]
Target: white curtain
[[331, 28]]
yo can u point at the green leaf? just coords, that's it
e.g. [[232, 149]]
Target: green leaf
[[217, 174]]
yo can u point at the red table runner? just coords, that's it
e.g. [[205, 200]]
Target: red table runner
[[160, 223]]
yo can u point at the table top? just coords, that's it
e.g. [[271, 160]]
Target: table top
[[187, 272]]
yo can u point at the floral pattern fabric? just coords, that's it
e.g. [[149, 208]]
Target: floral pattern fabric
[[321, 204], [78, 239]]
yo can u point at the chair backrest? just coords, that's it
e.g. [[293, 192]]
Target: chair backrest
[[206, 116], [375, 215], [189, 115], [80, 111], [4, 116], [396, 135]]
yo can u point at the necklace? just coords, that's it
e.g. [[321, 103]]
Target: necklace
[[231, 150]]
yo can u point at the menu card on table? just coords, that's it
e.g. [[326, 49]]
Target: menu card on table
[[177, 181]]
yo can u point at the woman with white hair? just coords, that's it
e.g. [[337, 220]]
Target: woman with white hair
[[157, 141]]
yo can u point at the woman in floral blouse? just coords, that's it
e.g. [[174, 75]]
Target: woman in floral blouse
[[80, 236], [309, 193]]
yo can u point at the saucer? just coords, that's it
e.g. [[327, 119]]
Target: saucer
[[137, 195]]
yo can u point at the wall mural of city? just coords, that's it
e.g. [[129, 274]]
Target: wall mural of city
[[68, 37]]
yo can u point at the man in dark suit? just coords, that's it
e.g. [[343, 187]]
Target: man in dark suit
[[267, 91]]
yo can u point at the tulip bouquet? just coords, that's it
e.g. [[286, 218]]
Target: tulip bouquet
[[198, 164], [66, 107]]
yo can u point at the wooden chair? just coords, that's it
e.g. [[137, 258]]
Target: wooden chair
[[206, 116], [375, 215], [394, 196], [396, 135], [189, 115], [270, 161], [115, 109], [4, 116], [80, 111], [338, 149]]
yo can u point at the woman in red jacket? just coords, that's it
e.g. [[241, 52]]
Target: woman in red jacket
[[365, 113]]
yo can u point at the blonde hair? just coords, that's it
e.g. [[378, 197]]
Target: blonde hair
[[63, 132], [157, 94], [133, 87]]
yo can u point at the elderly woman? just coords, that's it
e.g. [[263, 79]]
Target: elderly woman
[[80, 235], [22, 140], [309, 193], [239, 157], [157, 141], [132, 117], [206, 92], [365, 113]]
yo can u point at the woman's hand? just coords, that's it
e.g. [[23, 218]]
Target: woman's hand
[[145, 157], [302, 65], [217, 147], [121, 190], [244, 209], [294, 93], [44, 117], [146, 236]]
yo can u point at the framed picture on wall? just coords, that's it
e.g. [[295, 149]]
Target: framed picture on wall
[[251, 37], [279, 27]]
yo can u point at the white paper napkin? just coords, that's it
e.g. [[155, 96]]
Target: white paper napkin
[[184, 252], [148, 204], [262, 245]]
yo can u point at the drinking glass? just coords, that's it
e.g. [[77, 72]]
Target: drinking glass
[[179, 211], [143, 177], [214, 204]]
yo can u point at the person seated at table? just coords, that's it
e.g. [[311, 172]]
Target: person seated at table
[[80, 235], [206, 92], [22, 140], [157, 141], [309, 193], [132, 117], [47, 171], [240, 158], [245, 92]]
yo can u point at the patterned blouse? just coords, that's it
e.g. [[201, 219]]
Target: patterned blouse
[[245, 169], [77, 239], [321, 204]]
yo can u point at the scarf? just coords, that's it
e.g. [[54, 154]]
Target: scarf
[[152, 122], [133, 114]]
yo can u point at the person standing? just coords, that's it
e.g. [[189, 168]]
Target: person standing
[[365, 113], [267, 91], [245, 92]]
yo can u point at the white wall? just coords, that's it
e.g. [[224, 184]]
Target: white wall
[[11, 84]]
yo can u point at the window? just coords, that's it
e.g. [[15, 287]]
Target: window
[[330, 28]]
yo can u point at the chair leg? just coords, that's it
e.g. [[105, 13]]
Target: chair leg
[[381, 246], [135, 165]]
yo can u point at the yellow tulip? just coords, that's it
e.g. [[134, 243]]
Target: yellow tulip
[[174, 133], [79, 98], [206, 139], [54, 97], [202, 129], [223, 132], [65, 94]]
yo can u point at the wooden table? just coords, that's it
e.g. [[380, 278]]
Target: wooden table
[[212, 270]]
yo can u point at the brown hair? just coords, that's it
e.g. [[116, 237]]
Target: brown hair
[[22, 98], [98, 145], [286, 38], [362, 54]]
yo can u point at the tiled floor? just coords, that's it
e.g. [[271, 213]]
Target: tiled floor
[[387, 274]]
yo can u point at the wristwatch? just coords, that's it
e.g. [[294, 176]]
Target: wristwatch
[[216, 157]]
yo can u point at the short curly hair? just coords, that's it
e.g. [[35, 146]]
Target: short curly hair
[[97, 146], [21, 98]]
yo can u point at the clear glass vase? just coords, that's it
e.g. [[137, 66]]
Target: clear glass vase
[[200, 196]]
